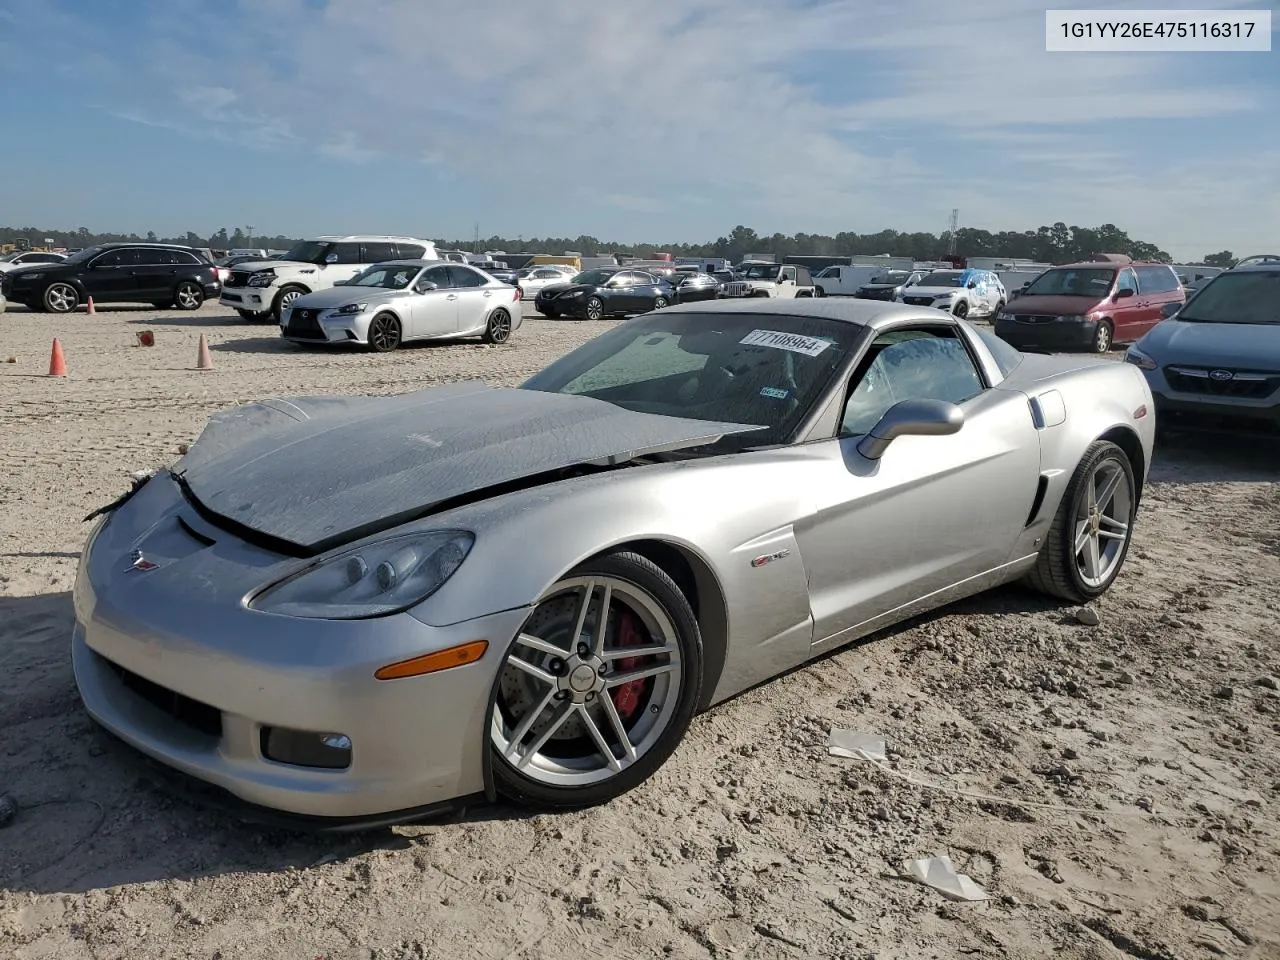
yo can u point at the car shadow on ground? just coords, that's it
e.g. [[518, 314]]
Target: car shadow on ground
[[92, 812], [194, 320], [277, 344], [1214, 458]]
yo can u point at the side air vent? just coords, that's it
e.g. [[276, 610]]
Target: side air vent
[[1042, 487]]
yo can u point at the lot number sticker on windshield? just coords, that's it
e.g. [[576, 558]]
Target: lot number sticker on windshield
[[809, 346]]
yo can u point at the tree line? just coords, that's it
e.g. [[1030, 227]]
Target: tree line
[[1058, 243]]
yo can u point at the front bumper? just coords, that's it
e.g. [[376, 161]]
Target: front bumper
[[561, 306], [1047, 334], [1204, 412], [253, 299], [302, 325], [172, 661]]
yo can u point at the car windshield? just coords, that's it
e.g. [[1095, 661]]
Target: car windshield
[[387, 276], [760, 271], [593, 278], [943, 278], [1251, 297], [308, 251], [1072, 282], [86, 254], [894, 277], [759, 369]]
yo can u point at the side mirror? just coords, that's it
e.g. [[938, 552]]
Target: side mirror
[[921, 418], [425, 286], [972, 284], [1125, 293], [331, 258], [1170, 310]]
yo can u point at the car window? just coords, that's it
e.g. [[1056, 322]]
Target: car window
[[347, 252], [186, 259], [155, 257], [439, 276], [464, 277], [387, 277], [623, 279], [118, 258], [42, 258], [1127, 281], [1245, 297], [908, 365], [1004, 353], [379, 252], [408, 251]]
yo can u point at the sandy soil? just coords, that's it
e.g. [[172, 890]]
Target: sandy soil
[[1132, 766]]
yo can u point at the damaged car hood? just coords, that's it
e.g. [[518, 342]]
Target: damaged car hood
[[311, 473]]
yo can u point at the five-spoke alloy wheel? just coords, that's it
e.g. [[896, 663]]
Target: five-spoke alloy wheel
[[598, 687]]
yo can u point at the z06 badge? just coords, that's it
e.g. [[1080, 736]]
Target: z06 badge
[[770, 557]]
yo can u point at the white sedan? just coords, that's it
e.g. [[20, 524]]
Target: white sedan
[[532, 279]]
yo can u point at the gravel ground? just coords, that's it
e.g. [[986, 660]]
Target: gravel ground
[[1113, 786]]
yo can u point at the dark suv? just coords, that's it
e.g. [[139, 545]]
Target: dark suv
[[162, 274]]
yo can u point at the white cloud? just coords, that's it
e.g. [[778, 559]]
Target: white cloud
[[821, 116]]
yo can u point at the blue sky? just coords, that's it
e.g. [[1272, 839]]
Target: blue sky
[[624, 121]]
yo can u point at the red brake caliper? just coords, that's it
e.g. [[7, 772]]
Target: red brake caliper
[[626, 698]]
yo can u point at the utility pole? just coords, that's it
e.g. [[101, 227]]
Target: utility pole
[[250, 229], [951, 231], [475, 243]]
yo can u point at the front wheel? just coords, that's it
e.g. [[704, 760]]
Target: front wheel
[[1101, 341], [284, 300], [659, 302], [597, 688], [384, 333], [961, 309], [594, 308], [60, 298], [498, 329], [1089, 539], [819, 292], [188, 296]]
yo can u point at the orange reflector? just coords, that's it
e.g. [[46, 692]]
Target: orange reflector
[[432, 662]]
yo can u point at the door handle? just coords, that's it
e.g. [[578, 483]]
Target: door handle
[[452, 296], [488, 293]]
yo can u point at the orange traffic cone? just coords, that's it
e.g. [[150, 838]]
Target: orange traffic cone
[[90, 309], [204, 362], [57, 362]]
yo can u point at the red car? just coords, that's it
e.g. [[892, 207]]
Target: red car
[[1089, 306]]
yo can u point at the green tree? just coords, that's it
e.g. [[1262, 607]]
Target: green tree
[[1223, 258]]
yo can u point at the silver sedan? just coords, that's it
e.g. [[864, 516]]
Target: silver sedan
[[388, 304], [364, 609]]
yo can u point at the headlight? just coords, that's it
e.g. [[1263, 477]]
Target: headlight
[[29, 276], [351, 308], [943, 296], [379, 578], [1070, 318], [573, 293], [1139, 359], [265, 279]]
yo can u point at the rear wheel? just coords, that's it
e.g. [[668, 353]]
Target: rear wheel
[[188, 296], [598, 687], [384, 333], [1087, 544], [1101, 342], [499, 327]]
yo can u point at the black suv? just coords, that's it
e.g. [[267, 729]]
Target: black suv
[[165, 275]]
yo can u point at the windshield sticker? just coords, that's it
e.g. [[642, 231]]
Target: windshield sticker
[[774, 393], [809, 346]]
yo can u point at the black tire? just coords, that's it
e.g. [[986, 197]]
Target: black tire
[[593, 309], [803, 295], [642, 573], [188, 296], [761, 293], [252, 315], [286, 296], [60, 298], [1103, 337], [384, 333], [819, 292], [659, 302], [1056, 572], [998, 310], [961, 309], [498, 330]]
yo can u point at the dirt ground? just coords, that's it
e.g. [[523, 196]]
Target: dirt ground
[[1114, 787]]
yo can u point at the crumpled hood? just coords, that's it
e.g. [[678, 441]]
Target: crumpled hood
[[1247, 346], [340, 296], [312, 473]]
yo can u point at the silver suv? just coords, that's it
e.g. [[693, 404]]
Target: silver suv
[[258, 289]]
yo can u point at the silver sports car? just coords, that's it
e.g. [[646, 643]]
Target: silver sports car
[[368, 609], [390, 303]]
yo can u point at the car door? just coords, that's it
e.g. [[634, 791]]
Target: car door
[[435, 313], [113, 276], [932, 511], [157, 274], [348, 260], [474, 297], [618, 293], [787, 281], [1127, 312], [1156, 287]]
